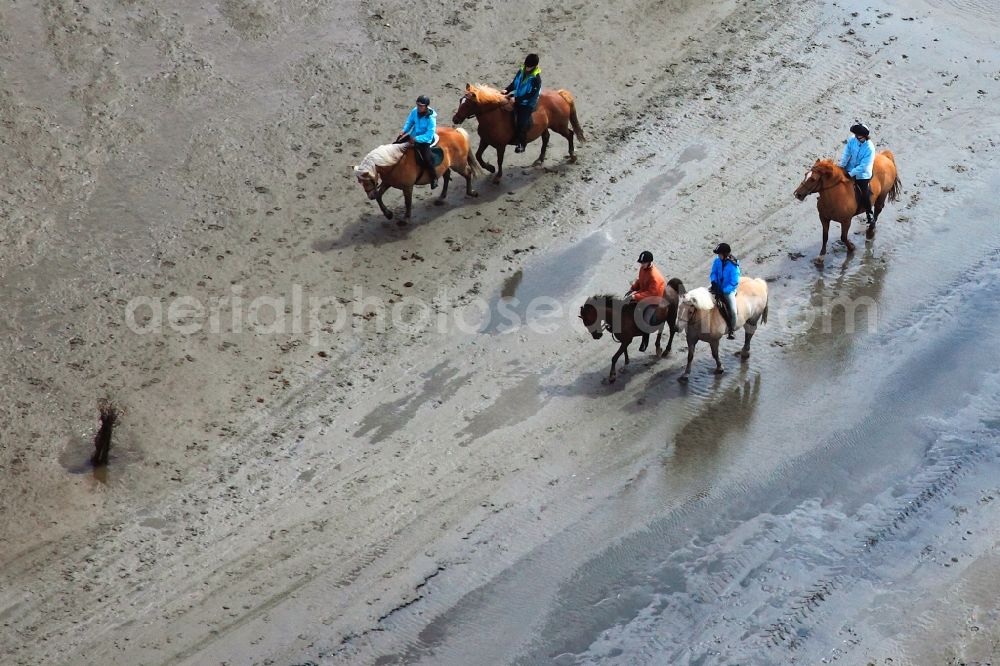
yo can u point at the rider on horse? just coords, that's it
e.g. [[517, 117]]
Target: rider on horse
[[857, 161], [525, 89], [647, 292], [725, 278], [419, 131]]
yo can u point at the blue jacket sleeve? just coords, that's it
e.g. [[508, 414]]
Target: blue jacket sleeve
[[411, 120], [732, 277], [846, 156], [536, 88], [716, 275], [427, 136]]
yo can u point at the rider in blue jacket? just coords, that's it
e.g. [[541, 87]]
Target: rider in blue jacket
[[419, 131], [725, 278], [525, 89], [857, 161]]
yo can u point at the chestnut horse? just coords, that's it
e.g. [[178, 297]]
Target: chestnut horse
[[838, 200], [700, 317], [556, 110], [618, 316], [383, 168]]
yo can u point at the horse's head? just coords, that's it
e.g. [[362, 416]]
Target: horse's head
[[466, 106], [811, 183], [691, 302], [591, 319], [369, 182]]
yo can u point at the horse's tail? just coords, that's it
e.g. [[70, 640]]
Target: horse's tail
[[470, 159], [763, 315], [574, 121], [897, 184]]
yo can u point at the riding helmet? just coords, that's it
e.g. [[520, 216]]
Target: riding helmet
[[860, 129], [645, 257], [723, 248], [424, 99], [531, 60]]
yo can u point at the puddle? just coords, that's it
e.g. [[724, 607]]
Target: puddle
[[75, 459], [693, 153], [549, 277]]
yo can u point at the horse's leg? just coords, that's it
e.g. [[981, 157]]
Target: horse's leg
[[845, 227], [545, 145], [444, 187], [714, 344], [659, 336], [500, 151], [408, 198], [378, 198], [879, 205], [826, 235], [687, 370], [468, 174], [670, 340], [614, 360], [569, 137], [748, 330], [479, 156]]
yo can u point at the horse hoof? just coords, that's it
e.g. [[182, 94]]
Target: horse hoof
[[572, 159], [742, 354], [489, 167], [473, 194], [439, 202], [496, 179], [719, 371], [611, 379], [683, 379], [403, 222], [537, 162], [819, 260], [658, 353], [850, 247], [870, 234], [388, 215]]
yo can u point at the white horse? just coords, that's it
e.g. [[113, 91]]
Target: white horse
[[699, 316]]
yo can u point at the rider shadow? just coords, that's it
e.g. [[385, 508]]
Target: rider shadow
[[372, 228]]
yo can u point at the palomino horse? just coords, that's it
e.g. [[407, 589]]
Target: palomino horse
[[699, 315], [556, 110], [837, 199], [618, 316], [377, 176]]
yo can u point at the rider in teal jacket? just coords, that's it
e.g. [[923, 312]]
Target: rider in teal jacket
[[725, 277], [525, 89], [857, 161]]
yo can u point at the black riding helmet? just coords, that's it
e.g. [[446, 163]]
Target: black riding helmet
[[723, 248], [424, 99], [531, 60], [859, 129], [645, 257]]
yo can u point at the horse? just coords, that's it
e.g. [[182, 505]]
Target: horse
[[556, 110], [393, 165], [699, 316], [837, 198], [609, 313]]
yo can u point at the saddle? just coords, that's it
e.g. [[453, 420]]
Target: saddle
[[438, 155]]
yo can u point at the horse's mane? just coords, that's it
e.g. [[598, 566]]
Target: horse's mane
[[485, 94], [386, 155], [828, 167], [608, 300], [701, 298]]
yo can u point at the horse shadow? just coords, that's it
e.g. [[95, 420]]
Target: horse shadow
[[595, 384], [371, 228], [728, 413]]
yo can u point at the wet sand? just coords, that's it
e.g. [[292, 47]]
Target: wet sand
[[483, 495]]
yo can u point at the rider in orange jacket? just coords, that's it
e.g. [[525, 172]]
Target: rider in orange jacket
[[647, 292]]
